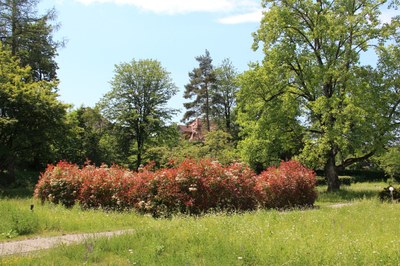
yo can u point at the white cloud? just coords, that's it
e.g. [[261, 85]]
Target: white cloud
[[245, 8], [254, 16], [174, 6]]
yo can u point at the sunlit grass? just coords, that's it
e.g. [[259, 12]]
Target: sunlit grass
[[365, 233], [56, 220], [362, 233]]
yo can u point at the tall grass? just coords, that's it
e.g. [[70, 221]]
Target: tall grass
[[55, 220], [50, 219], [365, 233]]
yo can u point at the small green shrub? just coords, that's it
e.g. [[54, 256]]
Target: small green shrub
[[387, 195], [346, 180]]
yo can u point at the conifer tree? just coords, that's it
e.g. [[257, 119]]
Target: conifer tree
[[199, 86], [29, 37]]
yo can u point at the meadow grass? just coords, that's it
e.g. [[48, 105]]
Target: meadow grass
[[17, 221], [364, 233]]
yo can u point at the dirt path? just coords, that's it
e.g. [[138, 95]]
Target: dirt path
[[23, 246]]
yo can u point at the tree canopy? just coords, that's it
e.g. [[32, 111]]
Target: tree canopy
[[31, 117], [29, 36], [136, 105], [312, 68], [199, 87]]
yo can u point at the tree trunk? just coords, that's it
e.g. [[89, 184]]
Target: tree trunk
[[207, 109], [138, 160], [331, 173]]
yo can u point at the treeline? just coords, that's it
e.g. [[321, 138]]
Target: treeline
[[311, 99]]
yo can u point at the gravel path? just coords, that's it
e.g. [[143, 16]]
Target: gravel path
[[23, 246]]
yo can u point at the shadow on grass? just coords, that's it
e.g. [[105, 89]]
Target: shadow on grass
[[346, 195]]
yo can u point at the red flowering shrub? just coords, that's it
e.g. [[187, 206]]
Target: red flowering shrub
[[107, 188], [190, 187], [289, 185], [198, 186], [60, 183]]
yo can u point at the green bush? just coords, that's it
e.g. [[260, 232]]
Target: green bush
[[386, 195], [346, 180]]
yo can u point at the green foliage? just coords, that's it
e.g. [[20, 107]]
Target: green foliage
[[199, 88], [24, 222], [89, 137], [390, 162], [344, 180], [270, 129], [223, 95], [218, 145], [31, 117], [29, 36], [390, 193], [136, 106], [311, 92]]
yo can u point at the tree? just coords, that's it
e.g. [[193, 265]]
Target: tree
[[29, 37], [223, 98], [201, 80], [86, 138], [137, 104], [270, 131], [31, 117], [312, 50]]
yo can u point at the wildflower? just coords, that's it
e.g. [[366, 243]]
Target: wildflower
[[192, 189]]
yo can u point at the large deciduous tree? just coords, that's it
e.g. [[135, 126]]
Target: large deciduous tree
[[29, 36], [346, 110], [31, 117], [201, 80], [137, 104]]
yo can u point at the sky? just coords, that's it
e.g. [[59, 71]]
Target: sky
[[103, 33]]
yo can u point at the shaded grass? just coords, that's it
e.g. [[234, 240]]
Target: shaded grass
[[357, 191], [365, 233]]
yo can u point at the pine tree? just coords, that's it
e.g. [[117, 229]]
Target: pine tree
[[223, 94], [199, 86], [29, 37]]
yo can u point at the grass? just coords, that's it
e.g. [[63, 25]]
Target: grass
[[357, 191], [364, 233]]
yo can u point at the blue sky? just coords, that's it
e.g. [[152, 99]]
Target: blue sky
[[102, 33]]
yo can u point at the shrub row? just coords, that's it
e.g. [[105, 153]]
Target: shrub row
[[190, 187]]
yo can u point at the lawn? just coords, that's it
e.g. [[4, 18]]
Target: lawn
[[363, 233]]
